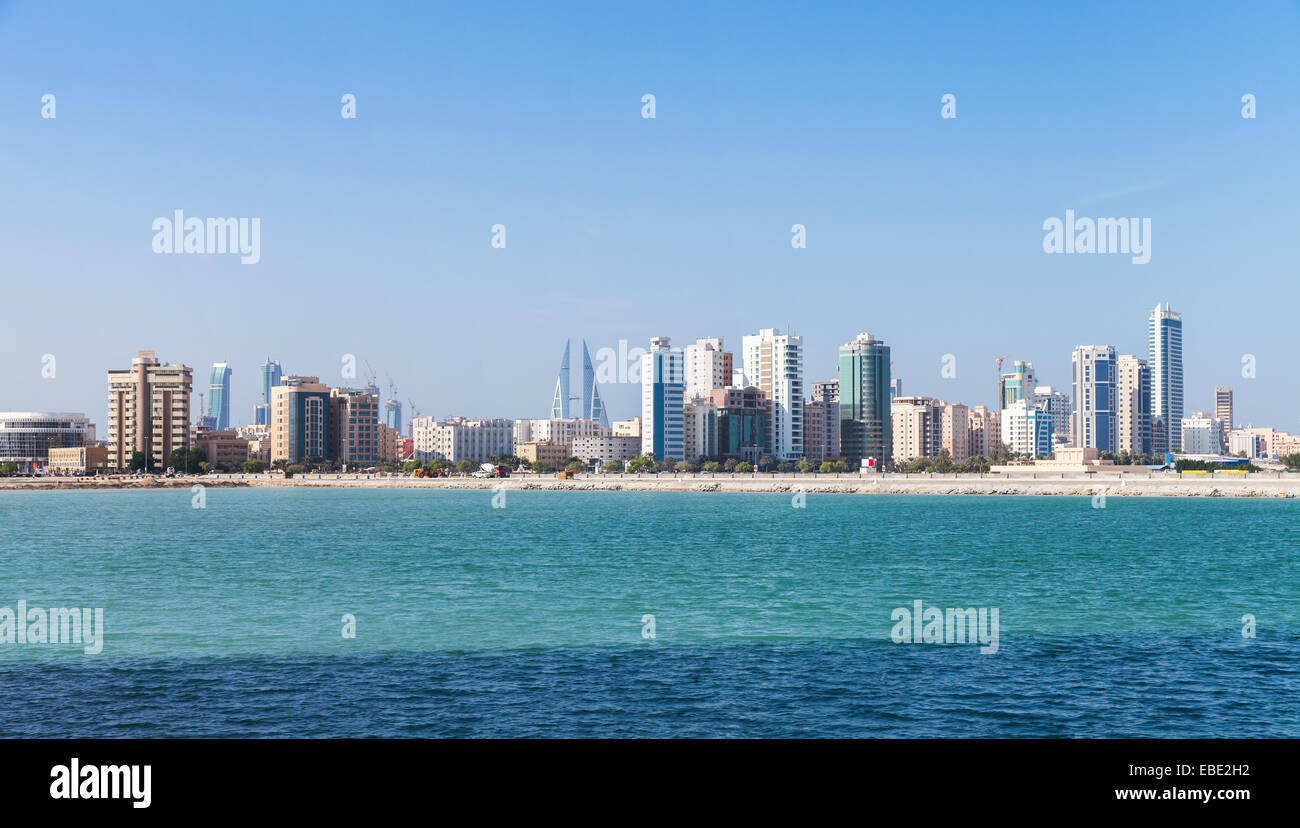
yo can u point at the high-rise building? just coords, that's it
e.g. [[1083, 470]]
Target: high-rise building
[[662, 391], [1094, 397], [271, 375], [219, 395], [300, 414], [708, 366], [1056, 404], [917, 427], [354, 430], [821, 421], [1019, 383], [774, 364], [955, 431], [592, 406], [560, 400], [1132, 405], [864, 386], [393, 415], [1026, 428], [895, 388], [1165, 339], [1202, 434], [985, 431], [148, 410], [828, 391], [699, 429], [1223, 409], [743, 417]]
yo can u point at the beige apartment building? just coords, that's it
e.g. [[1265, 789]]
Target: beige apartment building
[[626, 428], [148, 410], [916, 424], [954, 431], [224, 449], [554, 455], [299, 419], [985, 431], [355, 433]]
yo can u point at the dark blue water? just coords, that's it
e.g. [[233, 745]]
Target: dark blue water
[[771, 621]]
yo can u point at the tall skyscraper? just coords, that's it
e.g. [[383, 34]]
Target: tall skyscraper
[[1019, 383], [1165, 338], [148, 410], [1132, 405], [1223, 410], [560, 400], [1094, 396], [592, 407], [1056, 405], [774, 364], [864, 386], [393, 415], [662, 392], [300, 414], [219, 395], [708, 366], [271, 375]]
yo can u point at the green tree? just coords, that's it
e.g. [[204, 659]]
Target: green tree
[[612, 467], [712, 466], [254, 466], [575, 465], [827, 467], [464, 466], [730, 465], [804, 467], [743, 467], [1291, 461], [539, 467], [7, 469], [839, 466], [140, 461], [766, 462]]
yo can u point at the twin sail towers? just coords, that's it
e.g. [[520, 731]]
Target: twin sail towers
[[592, 407]]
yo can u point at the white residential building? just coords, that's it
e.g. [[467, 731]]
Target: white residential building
[[605, 449], [662, 390], [558, 430], [1202, 434], [774, 364], [461, 439], [708, 366]]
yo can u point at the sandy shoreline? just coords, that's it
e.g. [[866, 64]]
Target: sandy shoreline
[[1265, 484]]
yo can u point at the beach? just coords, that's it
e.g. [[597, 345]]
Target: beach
[[1153, 484]]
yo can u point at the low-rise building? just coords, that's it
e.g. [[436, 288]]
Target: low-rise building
[[461, 438], [78, 459], [553, 455], [224, 449], [606, 449], [1202, 434]]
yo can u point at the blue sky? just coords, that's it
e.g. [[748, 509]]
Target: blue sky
[[376, 231]]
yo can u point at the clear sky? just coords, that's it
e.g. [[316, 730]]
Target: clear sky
[[375, 231]]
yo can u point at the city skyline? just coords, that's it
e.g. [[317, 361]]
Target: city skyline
[[685, 218]]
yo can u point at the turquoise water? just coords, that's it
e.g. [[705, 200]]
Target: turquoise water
[[768, 620]]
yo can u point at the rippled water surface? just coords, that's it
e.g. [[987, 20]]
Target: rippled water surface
[[769, 620]]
